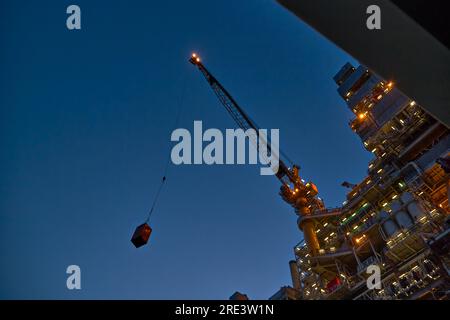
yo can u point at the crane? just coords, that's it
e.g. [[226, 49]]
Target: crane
[[294, 190]]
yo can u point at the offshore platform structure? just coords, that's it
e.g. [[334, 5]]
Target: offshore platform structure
[[397, 218]]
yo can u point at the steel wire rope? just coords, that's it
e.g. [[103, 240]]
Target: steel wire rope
[[166, 167]]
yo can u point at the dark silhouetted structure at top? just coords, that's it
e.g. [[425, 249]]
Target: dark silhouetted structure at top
[[411, 48]]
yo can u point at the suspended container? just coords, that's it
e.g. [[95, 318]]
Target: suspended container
[[141, 235]]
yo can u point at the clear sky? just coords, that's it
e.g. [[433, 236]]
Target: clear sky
[[85, 124]]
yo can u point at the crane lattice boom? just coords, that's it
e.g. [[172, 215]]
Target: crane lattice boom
[[301, 196]]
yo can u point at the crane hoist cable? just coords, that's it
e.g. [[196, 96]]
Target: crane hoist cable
[[166, 168], [142, 232]]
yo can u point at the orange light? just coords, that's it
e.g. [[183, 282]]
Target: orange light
[[194, 55], [361, 116], [358, 240], [390, 84], [198, 59]]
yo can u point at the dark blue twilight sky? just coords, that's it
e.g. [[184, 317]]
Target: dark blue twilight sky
[[85, 124]]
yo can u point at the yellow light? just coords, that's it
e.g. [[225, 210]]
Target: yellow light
[[390, 84], [198, 59], [358, 240], [194, 55], [379, 97], [361, 116]]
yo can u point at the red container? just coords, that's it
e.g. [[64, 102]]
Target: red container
[[333, 284], [141, 235]]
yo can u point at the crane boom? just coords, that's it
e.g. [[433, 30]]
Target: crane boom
[[241, 118], [301, 196], [236, 112]]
